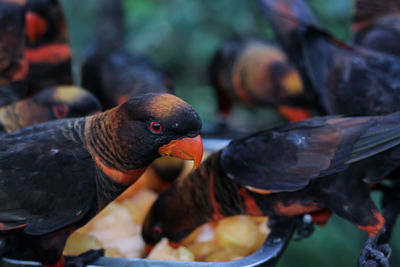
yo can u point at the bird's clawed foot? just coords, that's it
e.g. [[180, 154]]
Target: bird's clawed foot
[[84, 258], [375, 254], [305, 227]]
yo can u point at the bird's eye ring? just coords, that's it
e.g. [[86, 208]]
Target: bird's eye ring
[[155, 127]]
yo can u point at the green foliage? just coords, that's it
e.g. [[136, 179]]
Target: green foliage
[[182, 35]]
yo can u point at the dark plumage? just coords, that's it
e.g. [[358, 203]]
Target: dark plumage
[[13, 65], [257, 73], [305, 167], [114, 75], [46, 105], [375, 25], [344, 79], [47, 48], [55, 176]]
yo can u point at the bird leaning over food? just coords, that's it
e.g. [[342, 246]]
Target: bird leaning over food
[[56, 176], [13, 65], [47, 48], [46, 105], [114, 73], [257, 73], [304, 167], [375, 25], [345, 79]]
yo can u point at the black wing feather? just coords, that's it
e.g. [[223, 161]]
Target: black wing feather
[[46, 179], [288, 158]]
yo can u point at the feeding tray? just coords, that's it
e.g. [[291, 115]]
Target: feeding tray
[[267, 255]]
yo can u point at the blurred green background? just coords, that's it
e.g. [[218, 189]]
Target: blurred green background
[[181, 36]]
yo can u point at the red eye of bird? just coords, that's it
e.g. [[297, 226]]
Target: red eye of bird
[[60, 111], [155, 127], [157, 230]]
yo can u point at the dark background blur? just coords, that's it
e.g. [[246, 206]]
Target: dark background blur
[[181, 37]]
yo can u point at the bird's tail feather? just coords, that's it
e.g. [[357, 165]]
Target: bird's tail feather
[[382, 136]]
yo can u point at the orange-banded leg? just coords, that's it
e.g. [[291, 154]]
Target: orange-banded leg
[[376, 250], [350, 199]]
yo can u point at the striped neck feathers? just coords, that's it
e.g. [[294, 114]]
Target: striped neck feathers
[[104, 146]]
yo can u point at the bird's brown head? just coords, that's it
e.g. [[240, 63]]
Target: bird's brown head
[[165, 123], [44, 22], [130, 136], [67, 102], [263, 75]]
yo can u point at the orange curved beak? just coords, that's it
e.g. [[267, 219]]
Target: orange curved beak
[[186, 148], [35, 26]]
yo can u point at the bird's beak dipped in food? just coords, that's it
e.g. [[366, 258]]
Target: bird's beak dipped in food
[[187, 148]]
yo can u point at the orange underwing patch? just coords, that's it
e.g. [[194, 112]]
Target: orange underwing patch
[[35, 26], [373, 229], [51, 54], [123, 178], [250, 204], [294, 209], [321, 217], [293, 114], [217, 215]]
